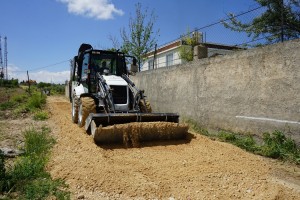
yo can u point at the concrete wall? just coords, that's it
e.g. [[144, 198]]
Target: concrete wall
[[249, 91]]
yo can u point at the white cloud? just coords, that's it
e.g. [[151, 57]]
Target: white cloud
[[99, 9], [39, 76]]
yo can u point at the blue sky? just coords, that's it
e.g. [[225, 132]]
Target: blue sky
[[42, 33]]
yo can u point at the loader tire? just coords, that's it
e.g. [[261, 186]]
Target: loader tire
[[86, 106], [145, 108], [75, 106]]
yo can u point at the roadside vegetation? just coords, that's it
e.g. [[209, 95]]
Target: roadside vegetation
[[18, 102], [273, 145], [21, 103], [9, 83], [54, 89], [27, 178]]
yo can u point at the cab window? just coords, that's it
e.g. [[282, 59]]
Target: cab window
[[85, 63]]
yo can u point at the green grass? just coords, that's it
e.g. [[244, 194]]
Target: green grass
[[41, 115], [275, 145], [35, 101], [7, 105], [28, 177], [26, 103]]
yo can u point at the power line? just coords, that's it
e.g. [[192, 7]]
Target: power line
[[217, 22], [51, 65]]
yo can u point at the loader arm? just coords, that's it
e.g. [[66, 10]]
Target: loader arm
[[138, 94], [106, 93]]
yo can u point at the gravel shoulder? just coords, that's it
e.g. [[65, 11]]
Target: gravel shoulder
[[197, 169]]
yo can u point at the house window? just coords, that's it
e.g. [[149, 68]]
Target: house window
[[150, 64], [169, 58]]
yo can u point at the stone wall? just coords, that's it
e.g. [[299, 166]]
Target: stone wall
[[250, 91]]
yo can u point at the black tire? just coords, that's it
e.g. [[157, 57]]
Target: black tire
[[145, 108], [75, 106], [86, 106]]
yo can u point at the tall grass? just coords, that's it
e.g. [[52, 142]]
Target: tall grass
[[36, 101], [28, 176], [25, 103]]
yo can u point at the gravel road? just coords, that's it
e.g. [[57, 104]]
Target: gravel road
[[199, 168]]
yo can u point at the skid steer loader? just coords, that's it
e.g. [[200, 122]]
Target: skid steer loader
[[108, 104]]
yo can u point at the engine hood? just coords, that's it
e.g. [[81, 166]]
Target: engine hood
[[114, 80]]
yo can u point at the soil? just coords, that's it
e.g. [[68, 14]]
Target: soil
[[199, 168], [196, 168]]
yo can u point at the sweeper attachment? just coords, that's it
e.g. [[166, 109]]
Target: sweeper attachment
[[109, 105]]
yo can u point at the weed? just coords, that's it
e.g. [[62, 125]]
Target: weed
[[7, 105], [247, 143], [36, 101], [38, 142], [278, 145], [28, 176], [2, 172], [20, 98], [275, 145], [41, 115], [42, 188], [193, 125], [226, 136]]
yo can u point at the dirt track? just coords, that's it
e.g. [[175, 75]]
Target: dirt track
[[196, 169]]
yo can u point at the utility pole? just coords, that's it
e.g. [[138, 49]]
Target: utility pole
[[1, 61], [154, 57], [28, 82], [5, 57], [282, 20]]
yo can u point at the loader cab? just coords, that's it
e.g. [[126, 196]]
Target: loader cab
[[105, 62]]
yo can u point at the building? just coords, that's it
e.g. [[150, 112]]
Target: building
[[168, 55]]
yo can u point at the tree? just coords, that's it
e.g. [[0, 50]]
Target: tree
[[140, 39], [280, 21], [189, 41]]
